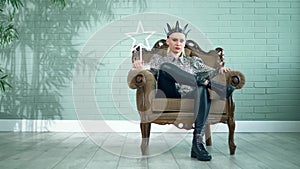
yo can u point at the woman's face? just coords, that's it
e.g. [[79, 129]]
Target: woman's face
[[176, 42]]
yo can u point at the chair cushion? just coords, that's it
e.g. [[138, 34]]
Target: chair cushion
[[172, 109]]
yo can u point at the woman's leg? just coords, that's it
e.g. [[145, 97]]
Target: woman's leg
[[178, 75], [202, 106], [169, 74], [166, 86]]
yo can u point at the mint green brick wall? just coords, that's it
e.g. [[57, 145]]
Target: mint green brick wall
[[260, 38]]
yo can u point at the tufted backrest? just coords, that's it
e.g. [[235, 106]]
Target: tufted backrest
[[212, 58]]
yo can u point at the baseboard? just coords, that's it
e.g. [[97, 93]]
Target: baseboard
[[133, 126]]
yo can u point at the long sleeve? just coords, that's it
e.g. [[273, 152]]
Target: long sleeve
[[155, 63], [200, 68]]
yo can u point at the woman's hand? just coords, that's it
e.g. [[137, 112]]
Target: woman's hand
[[138, 64], [206, 82], [224, 70]]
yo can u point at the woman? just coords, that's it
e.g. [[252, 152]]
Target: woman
[[180, 76]]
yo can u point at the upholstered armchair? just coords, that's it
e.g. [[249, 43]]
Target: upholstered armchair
[[179, 112]]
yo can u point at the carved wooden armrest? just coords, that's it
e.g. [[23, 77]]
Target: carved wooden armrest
[[144, 82], [235, 78], [138, 78]]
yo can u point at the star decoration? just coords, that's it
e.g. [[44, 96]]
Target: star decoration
[[140, 32]]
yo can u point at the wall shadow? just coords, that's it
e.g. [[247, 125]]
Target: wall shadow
[[41, 62]]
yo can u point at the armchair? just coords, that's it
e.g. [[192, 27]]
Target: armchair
[[179, 112]]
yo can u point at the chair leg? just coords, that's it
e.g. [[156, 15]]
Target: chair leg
[[145, 130], [231, 125], [208, 135]]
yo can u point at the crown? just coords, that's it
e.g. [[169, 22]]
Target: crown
[[176, 29]]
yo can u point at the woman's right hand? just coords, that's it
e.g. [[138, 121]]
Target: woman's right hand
[[206, 82], [138, 64]]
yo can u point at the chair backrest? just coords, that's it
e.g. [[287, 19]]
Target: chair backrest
[[212, 58]]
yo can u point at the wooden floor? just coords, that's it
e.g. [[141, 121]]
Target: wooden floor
[[122, 151]]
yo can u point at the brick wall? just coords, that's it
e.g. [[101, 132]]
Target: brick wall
[[260, 39]]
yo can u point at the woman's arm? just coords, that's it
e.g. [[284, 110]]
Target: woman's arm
[[154, 64], [207, 71]]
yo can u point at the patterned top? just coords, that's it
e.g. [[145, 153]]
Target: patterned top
[[191, 65]]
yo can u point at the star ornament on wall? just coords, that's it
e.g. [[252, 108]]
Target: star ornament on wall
[[137, 40]]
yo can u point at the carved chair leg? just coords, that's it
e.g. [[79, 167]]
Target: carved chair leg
[[231, 126], [145, 130], [208, 135]]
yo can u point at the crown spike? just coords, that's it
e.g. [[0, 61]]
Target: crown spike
[[188, 31], [169, 27], [165, 31], [176, 29], [185, 27], [177, 26]]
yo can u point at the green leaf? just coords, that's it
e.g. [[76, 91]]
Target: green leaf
[[62, 3], [15, 3], [7, 84], [2, 86], [3, 77]]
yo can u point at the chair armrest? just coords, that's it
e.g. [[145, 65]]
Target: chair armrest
[[235, 78], [137, 78], [144, 82]]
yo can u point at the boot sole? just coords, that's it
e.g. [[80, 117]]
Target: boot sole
[[194, 155]]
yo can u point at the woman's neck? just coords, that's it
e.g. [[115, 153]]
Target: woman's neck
[[175, 55]]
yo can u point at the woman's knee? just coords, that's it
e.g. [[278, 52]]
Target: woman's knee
[[167, 67]]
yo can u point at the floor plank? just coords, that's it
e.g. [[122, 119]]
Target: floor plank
[[260, 148], [181, 154], [19, 152], [166, 150], [103, 159], [79, 157], [53, 154], [241, 157]]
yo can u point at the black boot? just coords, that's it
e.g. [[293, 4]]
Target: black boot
[[222, 90], [198, 150]]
